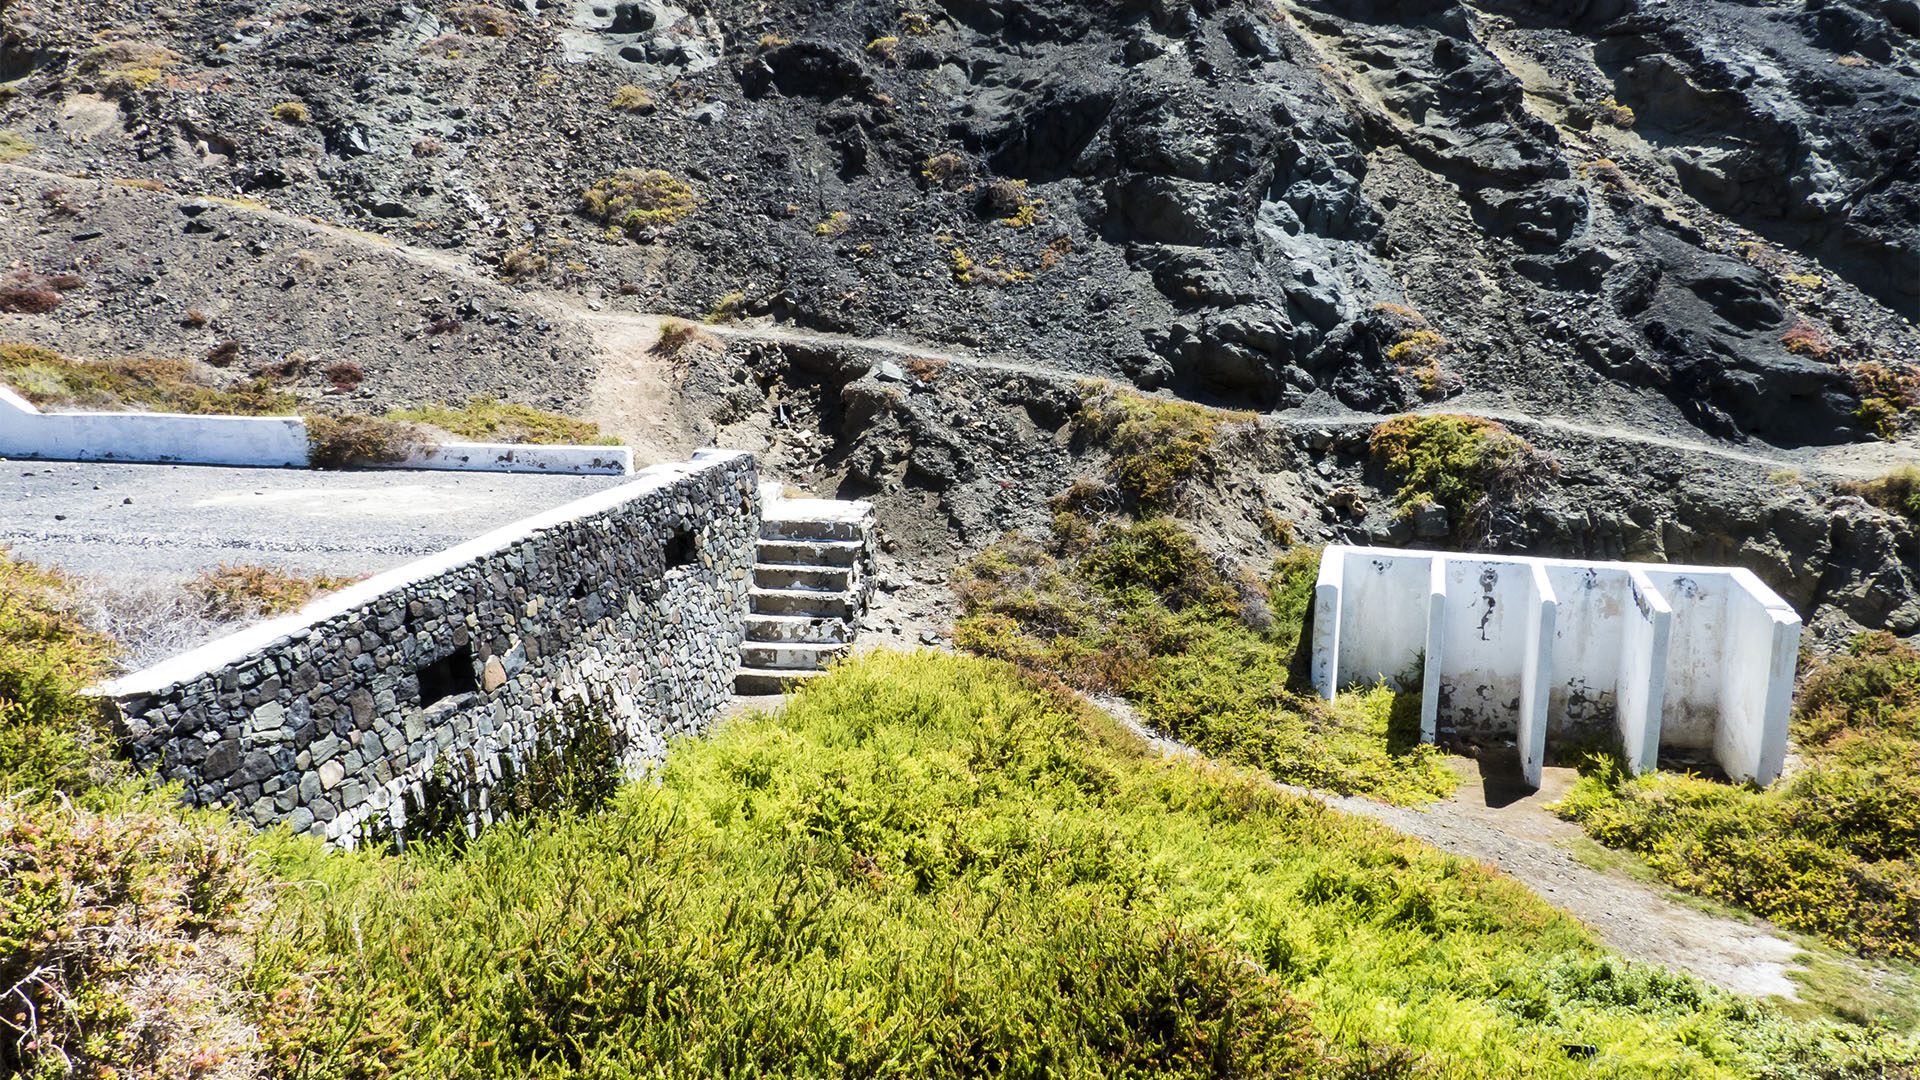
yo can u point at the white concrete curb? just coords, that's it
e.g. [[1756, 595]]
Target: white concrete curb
[[272, 441], [26, 432]]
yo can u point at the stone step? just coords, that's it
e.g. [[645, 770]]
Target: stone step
[[800, 602], [798, 628], [818, 578], [810, 552], [789, 657], [812, 528], [756, 681]]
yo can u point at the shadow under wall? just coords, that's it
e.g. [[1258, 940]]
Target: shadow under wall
[[1502, 780]]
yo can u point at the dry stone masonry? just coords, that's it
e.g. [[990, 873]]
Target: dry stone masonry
[[450, 675], [1652, 657]]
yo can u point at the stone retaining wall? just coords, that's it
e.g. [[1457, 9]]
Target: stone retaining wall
[[451, 674]]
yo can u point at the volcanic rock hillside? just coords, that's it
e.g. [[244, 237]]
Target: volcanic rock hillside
[[1698, 223]]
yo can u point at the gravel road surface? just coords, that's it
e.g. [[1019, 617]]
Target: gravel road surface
[[141, 524]]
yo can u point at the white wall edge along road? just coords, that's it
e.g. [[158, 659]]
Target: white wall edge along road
[[270, 441], [1642, 655]]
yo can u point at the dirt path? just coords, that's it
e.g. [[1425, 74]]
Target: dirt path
[[1494, 821], [1853, 460], [634, 393]]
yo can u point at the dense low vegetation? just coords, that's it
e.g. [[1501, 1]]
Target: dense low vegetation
[[1158, 445], [1833, 849], [50, 741], [1209, 656], [485, 419], [927, 867], [1462, 463], [120, 915]]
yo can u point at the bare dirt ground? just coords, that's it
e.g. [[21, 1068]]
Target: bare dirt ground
[[1496, 821]]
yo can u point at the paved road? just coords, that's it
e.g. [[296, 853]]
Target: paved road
[[134, 524]]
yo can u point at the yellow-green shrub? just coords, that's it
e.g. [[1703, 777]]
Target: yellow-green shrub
[[487, 419], [1833, 849], [639, 199], [1158, 445], [1458, 462]]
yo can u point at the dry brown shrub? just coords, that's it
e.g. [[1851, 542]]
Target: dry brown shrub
[[949, 171], [481, 19], [147, 915], [347, 441], [249, 591], [27, 300], [345, 375]]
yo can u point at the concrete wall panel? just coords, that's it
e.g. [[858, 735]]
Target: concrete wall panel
[[1696, 653], [1588, 623], [1544, 650], [1483, 640], [1537, 672], [1389, 592], [26, 432], [1642, 683], [1763, 641]]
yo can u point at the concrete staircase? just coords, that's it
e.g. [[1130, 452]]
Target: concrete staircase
[[811, 579]]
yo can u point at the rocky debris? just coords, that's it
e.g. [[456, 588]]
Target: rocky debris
[[1216, 200], [286, 299], [1648, 217]]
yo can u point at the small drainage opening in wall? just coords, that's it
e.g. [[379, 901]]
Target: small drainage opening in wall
[[682, 549], [447, 677]]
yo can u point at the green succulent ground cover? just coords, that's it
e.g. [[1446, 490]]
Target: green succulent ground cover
[[1210, 657], [925, 866], [930, 866]]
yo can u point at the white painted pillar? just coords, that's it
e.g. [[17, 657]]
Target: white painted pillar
[[1761, 650], [1436, 637], [1536, 674], [1781, 667], [1325, 665], [1641, 691]]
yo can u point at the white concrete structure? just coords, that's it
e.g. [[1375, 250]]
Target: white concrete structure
[[279, 441], [522, 457], [1689, 657], [26, 432]]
